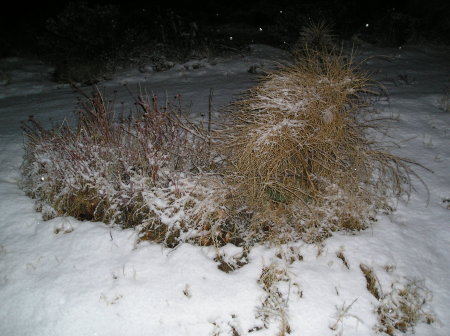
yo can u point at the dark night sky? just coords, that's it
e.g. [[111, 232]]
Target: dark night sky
[[19, 12], [35, 12], [22, 21]]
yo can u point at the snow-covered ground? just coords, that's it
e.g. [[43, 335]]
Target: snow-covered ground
[[65, 277]]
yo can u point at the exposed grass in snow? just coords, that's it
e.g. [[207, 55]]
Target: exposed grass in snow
[[275, 303], [403, 307], [373, 285]]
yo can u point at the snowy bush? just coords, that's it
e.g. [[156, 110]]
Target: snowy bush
[[149, 170], [141, 171]]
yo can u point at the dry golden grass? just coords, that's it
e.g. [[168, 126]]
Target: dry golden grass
[[340, 255], [298, 155], [286, 133], [373, 285]]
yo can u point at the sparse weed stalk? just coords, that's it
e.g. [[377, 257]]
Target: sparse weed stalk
[[342, 313], [275, 304]]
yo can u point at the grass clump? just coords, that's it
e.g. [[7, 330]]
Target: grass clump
[[403, 308], [298, 155]]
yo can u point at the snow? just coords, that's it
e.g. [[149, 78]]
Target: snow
[[66, 277]]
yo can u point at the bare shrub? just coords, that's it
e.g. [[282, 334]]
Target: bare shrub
[[148, 170], [134, 171], [298, 155]]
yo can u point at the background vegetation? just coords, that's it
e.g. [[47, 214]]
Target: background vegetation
[[87, 41]]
